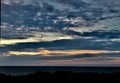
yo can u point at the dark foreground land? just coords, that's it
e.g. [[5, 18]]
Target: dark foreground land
[[61, 76]]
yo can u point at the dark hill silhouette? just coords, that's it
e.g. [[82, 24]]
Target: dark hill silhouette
[[62, 76]]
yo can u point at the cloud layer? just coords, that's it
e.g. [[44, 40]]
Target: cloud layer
[[45, 52], [70, 32]]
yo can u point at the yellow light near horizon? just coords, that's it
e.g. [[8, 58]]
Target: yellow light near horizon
[[15, 41], [45, 52]]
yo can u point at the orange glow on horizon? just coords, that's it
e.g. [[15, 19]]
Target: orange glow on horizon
[[45, 52]]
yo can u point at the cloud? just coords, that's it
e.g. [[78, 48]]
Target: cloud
[[15, 41], [44, 52], [39, 61], [73, 44], [37, 37], [61, 57]]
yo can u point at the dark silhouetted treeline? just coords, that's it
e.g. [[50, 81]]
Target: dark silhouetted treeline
[[61, 76]]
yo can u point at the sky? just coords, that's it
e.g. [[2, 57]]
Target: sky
[[60, 33]]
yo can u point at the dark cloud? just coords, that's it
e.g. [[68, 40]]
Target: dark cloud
[[48, 7], [102, 34], [96, 33], [105, 44], [39, 60], [74, 3], [29, 59], [72, 57], [14, 58]]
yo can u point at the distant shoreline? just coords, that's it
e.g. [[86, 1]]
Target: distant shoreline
[[62, 76], [20, 70]]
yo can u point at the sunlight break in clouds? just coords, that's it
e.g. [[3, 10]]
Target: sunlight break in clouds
[[59, 52], [4, 42], [37, 37]]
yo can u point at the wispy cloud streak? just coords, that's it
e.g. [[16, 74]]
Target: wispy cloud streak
[[45, 52]]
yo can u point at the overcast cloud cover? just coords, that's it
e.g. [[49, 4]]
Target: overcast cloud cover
[[60, 33]]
